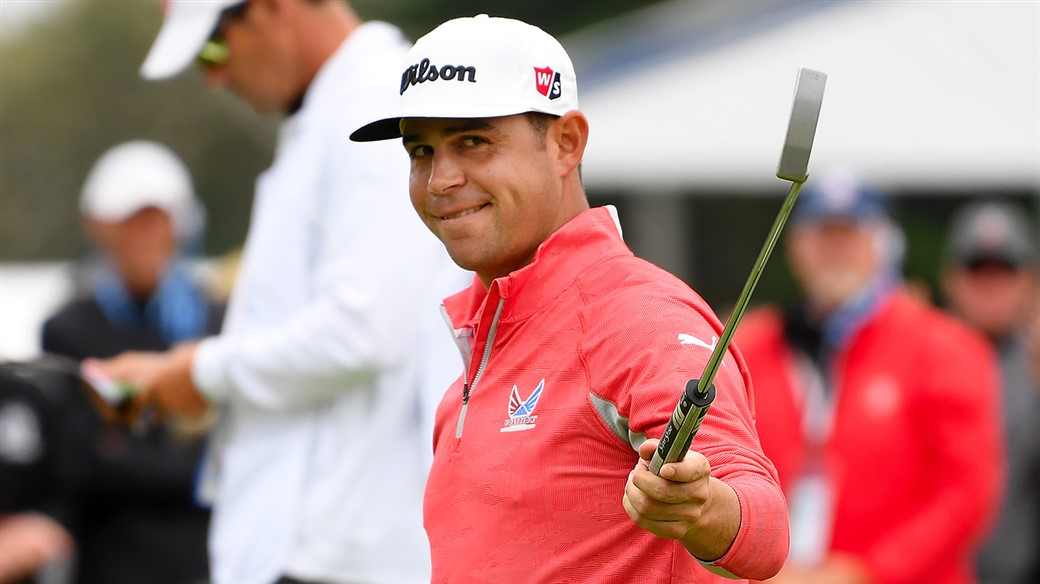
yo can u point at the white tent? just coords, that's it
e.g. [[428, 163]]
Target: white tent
[[920, 95]]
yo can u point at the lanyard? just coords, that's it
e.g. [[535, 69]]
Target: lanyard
[[811, 497], [818, 404]]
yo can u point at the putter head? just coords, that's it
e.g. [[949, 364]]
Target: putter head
[[808, 97]]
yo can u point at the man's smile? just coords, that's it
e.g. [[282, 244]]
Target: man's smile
[[462, 213]]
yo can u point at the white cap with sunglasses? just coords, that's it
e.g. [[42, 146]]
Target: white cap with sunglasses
[[187, 26]]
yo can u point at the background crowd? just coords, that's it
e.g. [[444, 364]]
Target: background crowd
[[901, 413]]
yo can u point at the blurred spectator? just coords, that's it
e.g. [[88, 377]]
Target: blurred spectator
[[989, 280], [33, 501], [1034, 335], [317, 466], [137, 520], [880, 413]]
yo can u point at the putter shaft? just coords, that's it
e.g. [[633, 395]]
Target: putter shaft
[[693, 406], [794, 167]]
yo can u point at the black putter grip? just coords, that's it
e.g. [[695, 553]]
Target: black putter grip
[[686, 420]]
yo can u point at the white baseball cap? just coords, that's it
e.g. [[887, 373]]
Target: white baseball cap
[[480, 67], [187, 25], [136, 175]]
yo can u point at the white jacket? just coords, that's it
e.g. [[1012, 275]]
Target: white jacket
[[318, 465]]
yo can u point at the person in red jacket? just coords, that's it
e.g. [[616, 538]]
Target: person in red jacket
[[880, 412], [575, 350]]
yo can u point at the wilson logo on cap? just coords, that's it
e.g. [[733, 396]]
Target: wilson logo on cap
[[547, 82], [423, 71]]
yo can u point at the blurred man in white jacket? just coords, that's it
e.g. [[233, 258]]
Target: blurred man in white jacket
[[318, 464]]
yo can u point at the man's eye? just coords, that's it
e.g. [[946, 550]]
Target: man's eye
[[470, 141], [419, 151]]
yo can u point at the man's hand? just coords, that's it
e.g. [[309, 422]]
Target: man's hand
[[30, 540], [162, 380], [684, 503]]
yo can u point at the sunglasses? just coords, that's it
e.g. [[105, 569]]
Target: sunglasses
[[992, 265], [215, 52]]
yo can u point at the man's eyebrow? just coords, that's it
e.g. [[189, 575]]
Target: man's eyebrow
[[475, 125], [467, 126]]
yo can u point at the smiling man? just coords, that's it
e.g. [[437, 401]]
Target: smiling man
[[575, 350]]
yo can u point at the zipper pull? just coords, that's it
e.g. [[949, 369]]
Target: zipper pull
[[462, 412]]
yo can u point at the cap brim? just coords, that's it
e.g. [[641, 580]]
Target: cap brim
[[385, 129], [390, 128], [179, 41]]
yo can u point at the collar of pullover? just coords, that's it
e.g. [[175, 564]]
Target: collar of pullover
[[591, 237]]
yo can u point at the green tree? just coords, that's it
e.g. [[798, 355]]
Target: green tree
[[70, 89]]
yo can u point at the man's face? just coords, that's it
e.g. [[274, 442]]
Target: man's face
[[833, 260], [139, 246], [992, 296], [487, 188], [261, 66]]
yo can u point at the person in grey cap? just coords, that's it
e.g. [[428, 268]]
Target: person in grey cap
[[576, 351], [880, 412], [316, 464], [989, 280]]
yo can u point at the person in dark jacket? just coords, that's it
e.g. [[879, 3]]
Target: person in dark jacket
[[989, 280], [137, 519], [34, 538]]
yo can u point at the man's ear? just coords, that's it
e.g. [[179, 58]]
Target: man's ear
[[570, 133]]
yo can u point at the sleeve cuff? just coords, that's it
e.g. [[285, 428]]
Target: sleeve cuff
[[209, 369], [762, 543], [717, 570]]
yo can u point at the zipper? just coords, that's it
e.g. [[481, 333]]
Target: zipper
[[467, 388]]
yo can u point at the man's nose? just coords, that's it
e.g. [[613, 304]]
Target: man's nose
[[445, 174]]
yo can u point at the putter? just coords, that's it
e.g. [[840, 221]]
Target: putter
[[794, 166]]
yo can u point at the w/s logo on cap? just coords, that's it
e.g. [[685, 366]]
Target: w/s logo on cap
[[547, 82]]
